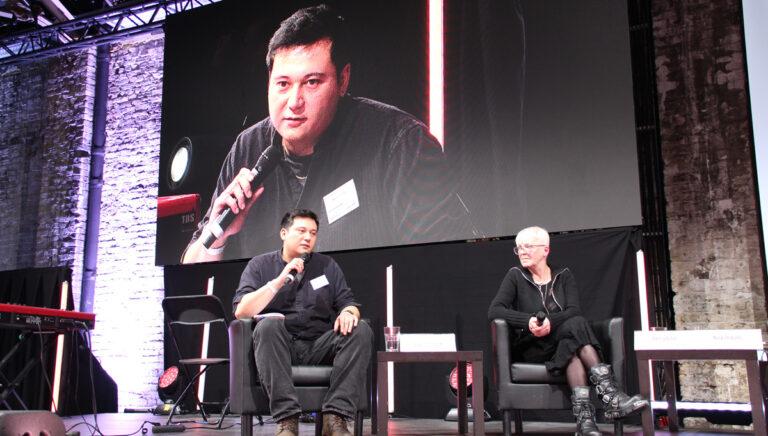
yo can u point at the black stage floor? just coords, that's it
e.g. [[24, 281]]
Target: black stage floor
[[131, 423]]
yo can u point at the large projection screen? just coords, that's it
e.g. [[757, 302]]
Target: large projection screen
[[538, 109], [755, 16]]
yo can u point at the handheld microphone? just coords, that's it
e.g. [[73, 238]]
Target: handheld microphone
[[292, 274], [264, 166], [540, 317]]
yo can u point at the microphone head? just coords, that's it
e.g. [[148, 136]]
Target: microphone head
[[540, 317], [293, 275], [269, 159]]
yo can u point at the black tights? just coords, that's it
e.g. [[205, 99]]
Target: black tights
[[580, 363]]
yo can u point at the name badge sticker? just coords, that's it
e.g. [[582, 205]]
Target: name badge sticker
[[341, 201], [318, 282]]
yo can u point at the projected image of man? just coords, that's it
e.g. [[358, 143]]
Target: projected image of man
[[374, 173]]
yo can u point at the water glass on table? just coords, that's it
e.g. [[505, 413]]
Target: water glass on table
[[391, 338]]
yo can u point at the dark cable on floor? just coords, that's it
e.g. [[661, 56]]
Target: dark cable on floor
[[94, 429]]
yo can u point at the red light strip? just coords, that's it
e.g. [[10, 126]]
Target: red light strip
[[436, 71]]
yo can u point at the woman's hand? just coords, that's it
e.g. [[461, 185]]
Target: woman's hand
[[539, 330]]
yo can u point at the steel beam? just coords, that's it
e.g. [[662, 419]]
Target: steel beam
[[91, 29]]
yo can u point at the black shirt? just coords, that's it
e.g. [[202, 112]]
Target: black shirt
[[403, 184], [311, 304]]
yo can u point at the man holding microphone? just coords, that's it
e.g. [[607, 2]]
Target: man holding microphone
[[320, 325]]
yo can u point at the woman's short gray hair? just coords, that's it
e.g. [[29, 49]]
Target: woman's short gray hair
[[532, 234]]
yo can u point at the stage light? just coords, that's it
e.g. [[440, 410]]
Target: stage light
[[452, 394], [180, 163], [168, 383], [436, 71], [169, 387]]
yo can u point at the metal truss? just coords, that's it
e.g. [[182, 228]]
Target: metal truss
[[91, 29]]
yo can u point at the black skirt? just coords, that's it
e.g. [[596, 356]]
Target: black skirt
[[557, 348]]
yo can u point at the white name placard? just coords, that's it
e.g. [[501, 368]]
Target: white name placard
[[743, 339], [427, 342]]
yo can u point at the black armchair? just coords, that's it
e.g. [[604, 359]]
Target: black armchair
[[527, 386], [247, 397]]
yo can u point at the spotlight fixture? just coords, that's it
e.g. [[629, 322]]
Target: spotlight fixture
[[169, 387], [179, 163], [168, 384], [452, 394]]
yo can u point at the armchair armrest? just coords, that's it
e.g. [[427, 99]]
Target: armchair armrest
[[500, 341], [242, 366], [610, 332]]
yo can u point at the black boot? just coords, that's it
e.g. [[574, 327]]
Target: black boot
[[617, 403], [584, 412]]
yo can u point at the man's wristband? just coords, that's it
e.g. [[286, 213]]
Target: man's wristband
[[272, 287], [349, 311]]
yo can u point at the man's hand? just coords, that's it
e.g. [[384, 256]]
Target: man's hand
[[539, 330], [345, 322], [238, 197], [296, 263]]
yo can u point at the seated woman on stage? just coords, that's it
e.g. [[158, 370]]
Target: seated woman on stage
[[544, 301]]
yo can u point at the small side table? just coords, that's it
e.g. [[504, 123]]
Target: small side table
[[460, 358], [669, 346]]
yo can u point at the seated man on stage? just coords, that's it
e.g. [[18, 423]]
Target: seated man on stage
[[544, 302], [321, 325]]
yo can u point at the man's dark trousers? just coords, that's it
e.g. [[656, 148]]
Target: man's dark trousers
[[275, 351]]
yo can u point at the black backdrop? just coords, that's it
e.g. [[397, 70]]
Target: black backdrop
[[447, 287], [40, 287], [30, 287]]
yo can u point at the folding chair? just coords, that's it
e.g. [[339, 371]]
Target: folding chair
[[195, 310]]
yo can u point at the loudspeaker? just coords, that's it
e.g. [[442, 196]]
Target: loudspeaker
[[30, 422]]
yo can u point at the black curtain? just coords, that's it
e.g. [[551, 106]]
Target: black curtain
[[81, 373], [38, 287]]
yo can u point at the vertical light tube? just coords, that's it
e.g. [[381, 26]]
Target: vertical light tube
[[63, 301], [204, 345], [642, 289], [644, 318], [390, 322], [436, 71]]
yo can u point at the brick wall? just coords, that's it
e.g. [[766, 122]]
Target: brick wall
[[129, 287], [46, 125], [711, 201], [21, 92]]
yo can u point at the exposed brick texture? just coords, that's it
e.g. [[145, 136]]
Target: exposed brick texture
[[45, 161], [21, 100], [710, 187], [129, 287], [46, 125]]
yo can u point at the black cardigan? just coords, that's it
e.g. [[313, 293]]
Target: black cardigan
[[519, 298]]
